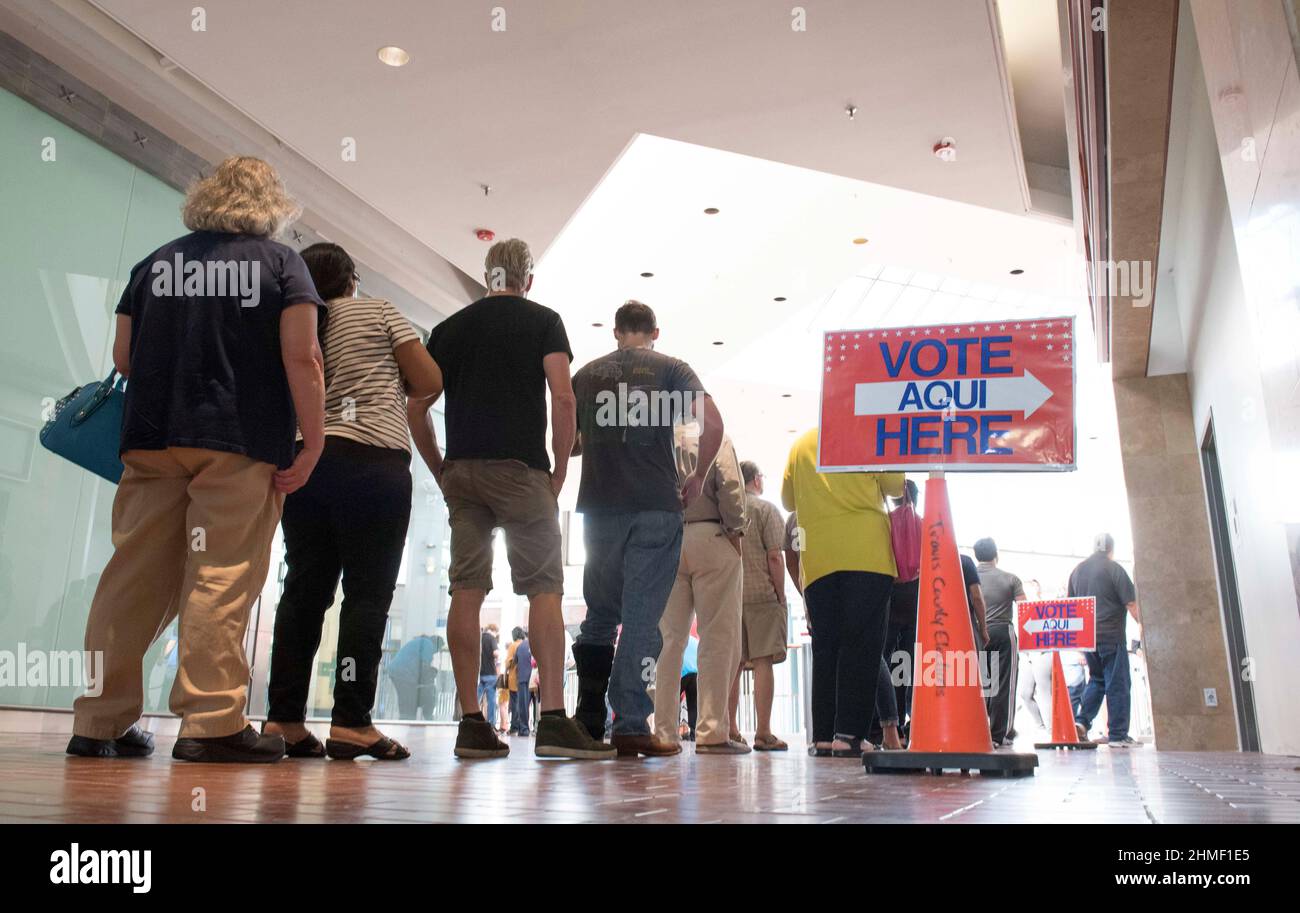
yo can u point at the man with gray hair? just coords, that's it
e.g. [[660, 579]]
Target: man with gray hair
[[1102, 577], [498, 358]]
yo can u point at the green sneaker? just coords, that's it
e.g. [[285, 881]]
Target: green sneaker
[[561, 737]]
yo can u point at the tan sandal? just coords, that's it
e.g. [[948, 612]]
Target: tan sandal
[[769, 743]]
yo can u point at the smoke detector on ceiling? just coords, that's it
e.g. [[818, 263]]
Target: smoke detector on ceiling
[[946, 150]]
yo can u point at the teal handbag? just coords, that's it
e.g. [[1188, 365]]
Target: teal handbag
[[86, 427]]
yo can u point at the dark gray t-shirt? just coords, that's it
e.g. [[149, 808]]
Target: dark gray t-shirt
[[628, 402], [1001, 591], [1109, 583]]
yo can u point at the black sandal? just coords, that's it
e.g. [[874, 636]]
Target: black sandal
[[383, 750], [815, 752], [853, 751], [307, 747]]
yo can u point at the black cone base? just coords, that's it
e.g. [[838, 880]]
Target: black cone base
[[1076, 746], [989, 764]]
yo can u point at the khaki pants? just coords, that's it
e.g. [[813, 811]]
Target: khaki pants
[[192, 536], [709, 584]]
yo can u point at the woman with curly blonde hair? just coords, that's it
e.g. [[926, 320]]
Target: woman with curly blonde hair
[[217, 331]]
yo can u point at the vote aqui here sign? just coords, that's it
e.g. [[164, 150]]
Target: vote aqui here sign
[[978, 396], [1057, 624]]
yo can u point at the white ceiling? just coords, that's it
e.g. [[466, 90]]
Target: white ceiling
[[541, 110]]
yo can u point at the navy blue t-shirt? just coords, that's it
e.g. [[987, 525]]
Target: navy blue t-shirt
[[206, 369]]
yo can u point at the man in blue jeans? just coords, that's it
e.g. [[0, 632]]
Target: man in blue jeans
[[631, 498], [1101, 577], [487, 673]]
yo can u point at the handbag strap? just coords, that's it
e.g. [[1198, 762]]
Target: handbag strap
[[99, 397]]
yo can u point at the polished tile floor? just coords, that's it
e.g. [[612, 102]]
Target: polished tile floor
[[38, 783]]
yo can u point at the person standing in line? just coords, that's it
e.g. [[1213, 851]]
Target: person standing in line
[[709, 585], [847, 571], [900, 637], [1103, 578], [499, 356], [689, 681], [1001, 591], [520, 681], [350, 519], [765, 615], [631, 498], [221, 373], [487, 673]]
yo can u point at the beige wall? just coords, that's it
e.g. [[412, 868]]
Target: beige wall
[[1244, 357], [1174, 568]]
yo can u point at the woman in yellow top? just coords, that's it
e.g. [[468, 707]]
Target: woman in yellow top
[[847, 573]]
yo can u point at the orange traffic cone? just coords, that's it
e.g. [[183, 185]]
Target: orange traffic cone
[[950, 726], [1064, 735]]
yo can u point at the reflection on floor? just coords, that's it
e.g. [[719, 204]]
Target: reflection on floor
[[39, 783]]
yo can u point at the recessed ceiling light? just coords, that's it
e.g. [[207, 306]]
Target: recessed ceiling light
[[394, 56], [646, 275], [1016, 272], [711, 211], [779, 298], [786, 395], [859, 240], [598, 324], [717, 342]]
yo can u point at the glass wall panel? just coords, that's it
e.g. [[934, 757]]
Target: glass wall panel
[[76, 218]]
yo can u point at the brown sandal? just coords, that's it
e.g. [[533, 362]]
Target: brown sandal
[[769, 743]]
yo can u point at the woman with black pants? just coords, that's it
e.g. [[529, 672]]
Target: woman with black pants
[[847, 570], [350, 519]]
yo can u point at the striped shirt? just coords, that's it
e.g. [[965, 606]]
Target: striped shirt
[[365, 400]]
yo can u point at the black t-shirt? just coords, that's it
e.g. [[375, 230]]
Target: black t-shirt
[[206, 368], [491, 356], [628, 402], [488, 661], [1110, 585]]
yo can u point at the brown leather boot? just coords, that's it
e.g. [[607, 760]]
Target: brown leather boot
[[629, 746]]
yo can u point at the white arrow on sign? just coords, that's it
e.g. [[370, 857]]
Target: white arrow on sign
[[1035, 625], [1000, 394]]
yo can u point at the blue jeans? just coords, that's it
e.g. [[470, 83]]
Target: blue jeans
[[1108, 677], [487, 691], [631, 565], [521, 705]]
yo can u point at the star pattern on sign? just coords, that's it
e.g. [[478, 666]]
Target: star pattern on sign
[[1033, 336], [914, 332], [1002, 327], [927, 332], [1049, 347], [899, 333], [856, 346]]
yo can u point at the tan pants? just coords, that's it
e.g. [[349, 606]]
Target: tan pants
[[192, 536], [709, 584]]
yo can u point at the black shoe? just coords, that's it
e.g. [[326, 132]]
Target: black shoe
[[134, 743], [593, 663], [478, 739], [244, 747]]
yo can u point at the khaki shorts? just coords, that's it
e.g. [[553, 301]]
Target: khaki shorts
[[485, 494], [763, 631]]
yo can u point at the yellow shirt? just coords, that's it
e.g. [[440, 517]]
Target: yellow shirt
[[843, 515]]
